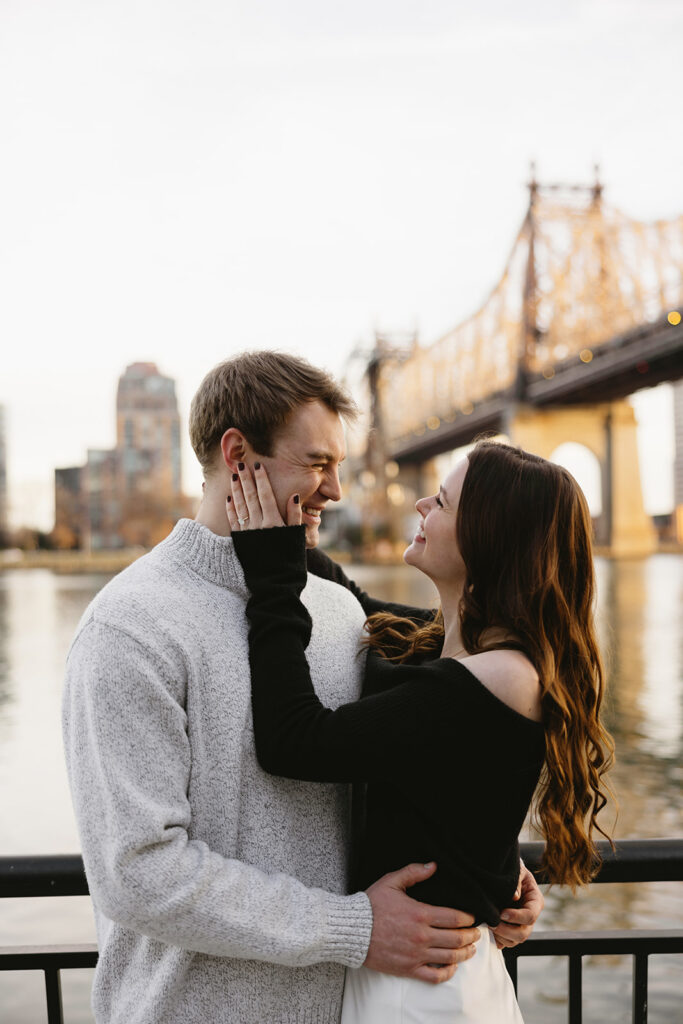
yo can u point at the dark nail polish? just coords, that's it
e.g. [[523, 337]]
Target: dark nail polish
[[240, 466], [296, 499], [234, 477], [257, 465], [229, 499]]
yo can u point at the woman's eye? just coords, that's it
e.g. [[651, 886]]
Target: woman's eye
[[439, 501]]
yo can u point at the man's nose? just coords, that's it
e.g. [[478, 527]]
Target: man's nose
[[331, 484]]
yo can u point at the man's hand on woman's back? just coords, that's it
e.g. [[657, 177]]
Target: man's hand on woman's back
[[413, 939]]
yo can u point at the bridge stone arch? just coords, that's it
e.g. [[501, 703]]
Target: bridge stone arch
[[608, 430], [586, 468]]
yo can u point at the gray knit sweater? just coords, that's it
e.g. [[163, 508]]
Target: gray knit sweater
[[217, 888]]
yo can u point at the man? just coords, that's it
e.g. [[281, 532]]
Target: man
[[220, 891]]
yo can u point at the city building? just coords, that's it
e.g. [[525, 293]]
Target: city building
[[102, 504], [130, 495], [69, 508], [148, 447]]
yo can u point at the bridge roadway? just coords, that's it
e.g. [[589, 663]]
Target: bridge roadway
[[642, 357]]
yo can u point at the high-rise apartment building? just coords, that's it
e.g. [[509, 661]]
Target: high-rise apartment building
[[148, 429], [148, 445], [129, 495]]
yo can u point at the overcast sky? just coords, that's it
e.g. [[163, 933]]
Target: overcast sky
[[182, 180]]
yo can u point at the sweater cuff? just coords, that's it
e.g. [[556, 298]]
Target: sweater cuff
[[266, 553], [349, 922]]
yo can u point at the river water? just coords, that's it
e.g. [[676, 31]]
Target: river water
[[641, 627]]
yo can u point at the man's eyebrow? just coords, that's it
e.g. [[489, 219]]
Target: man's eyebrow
[[323, 457]]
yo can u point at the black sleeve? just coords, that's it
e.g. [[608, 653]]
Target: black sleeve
[[295, 735], [320, 564]]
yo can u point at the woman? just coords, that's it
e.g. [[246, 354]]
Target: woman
[[505, 680]]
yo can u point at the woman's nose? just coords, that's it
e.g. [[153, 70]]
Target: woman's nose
[[422, 505]]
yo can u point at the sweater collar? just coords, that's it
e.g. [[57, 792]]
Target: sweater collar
[[212, 557]]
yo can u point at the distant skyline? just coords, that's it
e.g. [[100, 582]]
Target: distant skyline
[[32, 502], [181, 183]]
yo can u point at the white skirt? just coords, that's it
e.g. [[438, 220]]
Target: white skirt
[[480, 992]]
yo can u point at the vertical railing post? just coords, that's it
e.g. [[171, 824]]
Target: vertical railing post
[[511, 961], [53, 991], [575, 989], [640, 988]]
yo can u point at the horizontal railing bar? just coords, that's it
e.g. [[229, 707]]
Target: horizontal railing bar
[[632, 941], [663, 859], [53, 875], [40, 958], [634, 860], [538, 944]]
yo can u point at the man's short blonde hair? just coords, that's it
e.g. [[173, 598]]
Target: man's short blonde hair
[[256, 392]]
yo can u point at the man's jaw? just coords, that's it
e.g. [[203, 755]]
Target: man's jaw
[[311, 517]]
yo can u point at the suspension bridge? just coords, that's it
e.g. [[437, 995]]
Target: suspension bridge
[[587, 311]]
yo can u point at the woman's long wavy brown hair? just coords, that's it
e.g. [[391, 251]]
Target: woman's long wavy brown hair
[[524, 532]]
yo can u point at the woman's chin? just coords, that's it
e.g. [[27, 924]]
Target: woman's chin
[[411, 555]]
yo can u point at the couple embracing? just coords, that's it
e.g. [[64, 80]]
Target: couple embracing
[[224, 691]]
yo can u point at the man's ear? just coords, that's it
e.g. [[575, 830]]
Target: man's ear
[[234, 448]]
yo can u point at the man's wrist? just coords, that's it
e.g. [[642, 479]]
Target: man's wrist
[[349, 926]]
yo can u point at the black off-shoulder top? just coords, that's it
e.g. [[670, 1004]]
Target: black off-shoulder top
[[450, 769]]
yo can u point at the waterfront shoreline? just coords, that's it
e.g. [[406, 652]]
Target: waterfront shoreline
[[115, 561], [71, 561]]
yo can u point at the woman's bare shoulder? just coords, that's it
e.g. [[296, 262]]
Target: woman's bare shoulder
[[511, 677]]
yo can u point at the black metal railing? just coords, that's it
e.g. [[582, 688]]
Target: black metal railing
[[633, 860], [638, 860]]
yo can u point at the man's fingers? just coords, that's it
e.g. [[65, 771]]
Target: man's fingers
[[444, 964], [411, 874], [448, 957], [433, 917], [434, 975], [447, 918], [454, 938], [413, 939]]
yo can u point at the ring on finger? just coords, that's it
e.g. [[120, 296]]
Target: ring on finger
[[243, 520]]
